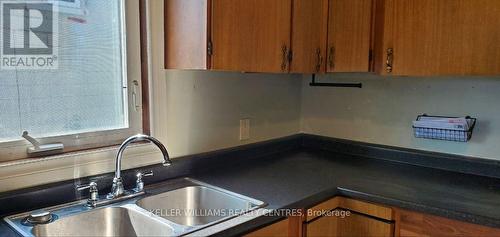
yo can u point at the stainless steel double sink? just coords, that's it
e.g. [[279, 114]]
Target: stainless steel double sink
[[189, 207]]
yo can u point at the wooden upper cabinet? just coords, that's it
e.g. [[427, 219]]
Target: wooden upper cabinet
[[309, 26], [251, 35], [186, 34], [404, 37], [349, 35], [440, 37], [331, 36], [278, 36]]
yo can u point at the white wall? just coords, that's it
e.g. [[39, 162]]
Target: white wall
[[381, 112], [204, 109], [199, 111]]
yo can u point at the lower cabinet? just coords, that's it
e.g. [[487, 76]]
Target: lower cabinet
[[414, 224], [354, 225], [344, 217], [278, 229]]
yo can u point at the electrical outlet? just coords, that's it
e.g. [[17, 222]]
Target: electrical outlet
[[244, 129]]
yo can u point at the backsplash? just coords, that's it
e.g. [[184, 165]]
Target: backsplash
[[381, 112], [204, 109]]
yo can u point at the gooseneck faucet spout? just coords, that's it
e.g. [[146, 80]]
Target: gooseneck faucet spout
[[117, 189]]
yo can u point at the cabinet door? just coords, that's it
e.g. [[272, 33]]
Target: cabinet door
[[251, 35], [349, 35], [413, 224], [279, 229], [309, 26], [446, 37], [186, 34], [354, 225]]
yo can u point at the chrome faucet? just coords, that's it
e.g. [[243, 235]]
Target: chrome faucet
[[117, 189]]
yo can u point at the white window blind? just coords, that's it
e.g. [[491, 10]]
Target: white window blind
[[88, 92]]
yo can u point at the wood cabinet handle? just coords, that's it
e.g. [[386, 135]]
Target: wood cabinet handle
[[284, 62], [390, 60], [331, 58], [320, 59]]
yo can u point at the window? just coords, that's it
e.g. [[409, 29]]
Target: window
[[91, 97]]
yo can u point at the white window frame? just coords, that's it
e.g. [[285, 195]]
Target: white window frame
[[13, 150]]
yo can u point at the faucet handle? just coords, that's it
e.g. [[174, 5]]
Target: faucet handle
[[141, 175], [94, 192], [91, 186], [139, 184]]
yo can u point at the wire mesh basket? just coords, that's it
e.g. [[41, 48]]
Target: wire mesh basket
[[445, 134]]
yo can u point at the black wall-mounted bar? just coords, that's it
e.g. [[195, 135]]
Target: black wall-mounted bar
[[352, 85]]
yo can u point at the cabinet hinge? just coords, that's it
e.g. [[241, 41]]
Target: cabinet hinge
[[210, 48], [370, 55]]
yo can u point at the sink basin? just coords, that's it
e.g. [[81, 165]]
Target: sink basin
[[111, 221], [197, 205], [173, 208]]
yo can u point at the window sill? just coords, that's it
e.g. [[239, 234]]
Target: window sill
[[38, 171]]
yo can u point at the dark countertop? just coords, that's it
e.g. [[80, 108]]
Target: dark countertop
[[304, 177]]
